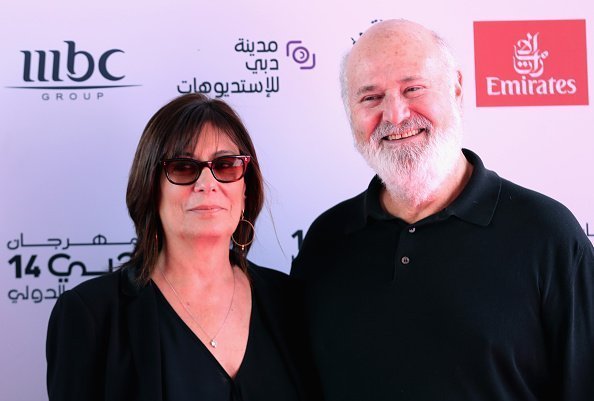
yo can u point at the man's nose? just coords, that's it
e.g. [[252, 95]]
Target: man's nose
[[396, 109]]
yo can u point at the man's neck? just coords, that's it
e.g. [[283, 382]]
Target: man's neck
[[412, 210]]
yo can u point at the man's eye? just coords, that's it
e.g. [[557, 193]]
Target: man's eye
[[413, 89], [371, 98]]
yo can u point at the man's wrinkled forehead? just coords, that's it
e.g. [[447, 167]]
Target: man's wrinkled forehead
[[390, 46]]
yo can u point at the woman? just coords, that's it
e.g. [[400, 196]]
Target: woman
[[188, 317]]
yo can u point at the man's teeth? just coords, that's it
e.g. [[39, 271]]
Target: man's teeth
[[406, 134]]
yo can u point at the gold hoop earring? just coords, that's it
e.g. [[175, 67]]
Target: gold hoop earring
[[242, 246]]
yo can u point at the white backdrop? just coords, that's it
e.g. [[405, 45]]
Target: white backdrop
[[65, 153]]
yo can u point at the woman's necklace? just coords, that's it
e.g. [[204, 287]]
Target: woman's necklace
[[213, 342]]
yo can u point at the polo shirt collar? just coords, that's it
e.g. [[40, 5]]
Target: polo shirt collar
[[476, 204], [478, 201]]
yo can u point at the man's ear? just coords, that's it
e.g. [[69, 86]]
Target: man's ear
[[458, 87]]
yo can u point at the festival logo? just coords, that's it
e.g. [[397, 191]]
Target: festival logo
[[530, 63], [65, 260], [71, 73]]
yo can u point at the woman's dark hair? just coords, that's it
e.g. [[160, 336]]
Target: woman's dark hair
[[175, 128]]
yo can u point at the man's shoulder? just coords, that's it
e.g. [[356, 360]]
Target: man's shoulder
[[341, 216], [529, 199], [267, 275], [538, 210], [327, 231]]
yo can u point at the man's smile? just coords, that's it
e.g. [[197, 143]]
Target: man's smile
[[402, 135]]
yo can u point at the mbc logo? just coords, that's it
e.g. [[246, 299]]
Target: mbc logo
[[79, 66], [52, 68]]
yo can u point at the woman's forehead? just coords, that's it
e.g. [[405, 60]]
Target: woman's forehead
[[211, 138]]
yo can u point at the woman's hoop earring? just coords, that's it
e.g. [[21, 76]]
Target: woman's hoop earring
[[242, 246]]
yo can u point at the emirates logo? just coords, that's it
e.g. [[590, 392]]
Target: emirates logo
[[528, 58], [531, 63]]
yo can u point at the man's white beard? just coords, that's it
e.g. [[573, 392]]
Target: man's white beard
[[414, 172]]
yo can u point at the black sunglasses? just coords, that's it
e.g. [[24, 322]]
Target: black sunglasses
[[185, 171]]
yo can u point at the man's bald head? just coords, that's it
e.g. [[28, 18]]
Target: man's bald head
[[394, 36]]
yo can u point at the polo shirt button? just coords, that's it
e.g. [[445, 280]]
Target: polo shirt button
[[412, 230], [405, 260]]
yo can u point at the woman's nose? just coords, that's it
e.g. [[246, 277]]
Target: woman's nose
[[206, 182]]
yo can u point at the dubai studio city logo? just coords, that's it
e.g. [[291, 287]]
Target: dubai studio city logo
[[70, 74], [531, 63]]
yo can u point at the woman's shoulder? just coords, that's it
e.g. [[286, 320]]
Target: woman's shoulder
[[101, 291], [94, 289]]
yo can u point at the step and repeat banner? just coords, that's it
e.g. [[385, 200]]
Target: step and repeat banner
[[78, 84]]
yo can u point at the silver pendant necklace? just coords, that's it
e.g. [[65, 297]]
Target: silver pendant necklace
[[213, 340]]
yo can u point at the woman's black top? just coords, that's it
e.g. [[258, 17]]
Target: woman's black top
[[191, 373]]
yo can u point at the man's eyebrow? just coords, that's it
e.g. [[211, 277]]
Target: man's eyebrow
[[365, 89], [370, 88]]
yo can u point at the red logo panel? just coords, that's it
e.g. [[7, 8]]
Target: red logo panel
[[530, 63]]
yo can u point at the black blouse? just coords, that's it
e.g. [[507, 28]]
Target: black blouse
[[191, 373]]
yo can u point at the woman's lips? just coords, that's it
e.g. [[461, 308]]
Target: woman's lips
[[206, 208]]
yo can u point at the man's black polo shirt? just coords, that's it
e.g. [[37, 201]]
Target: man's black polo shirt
[[490, 299]]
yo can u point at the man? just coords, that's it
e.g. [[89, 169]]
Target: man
[[442, 281]]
